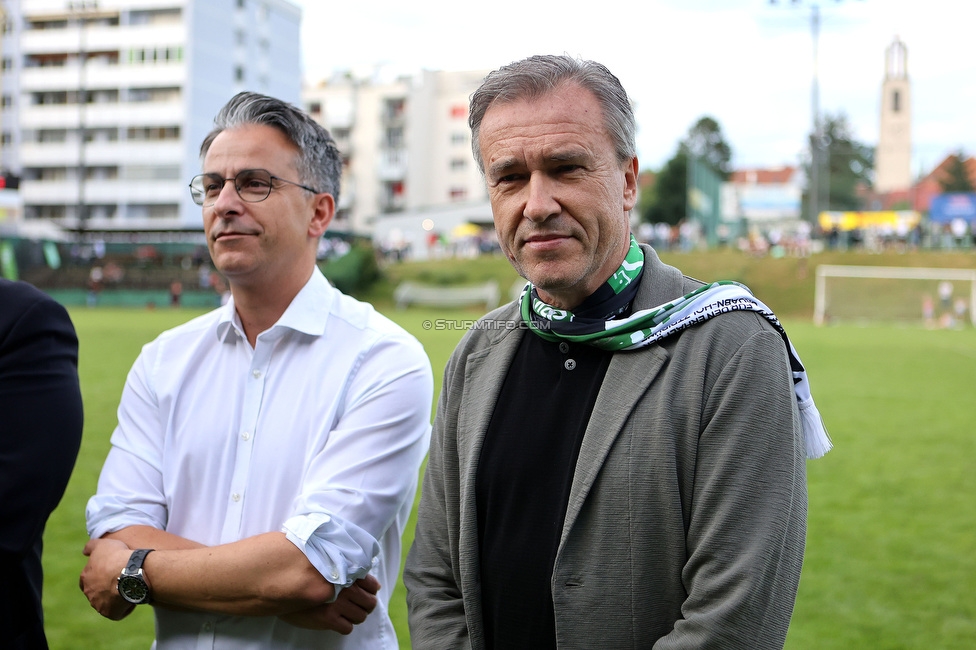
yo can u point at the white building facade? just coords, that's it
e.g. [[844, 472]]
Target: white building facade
[[405, 142], [105, 102]]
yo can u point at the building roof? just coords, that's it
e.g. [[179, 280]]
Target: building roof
[[764, 176]]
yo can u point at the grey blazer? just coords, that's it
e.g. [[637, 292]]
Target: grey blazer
[[686, 519]]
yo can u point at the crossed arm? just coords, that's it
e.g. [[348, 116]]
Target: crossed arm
[[264, 575]]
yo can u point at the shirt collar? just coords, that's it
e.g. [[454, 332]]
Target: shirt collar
[[307, 313]]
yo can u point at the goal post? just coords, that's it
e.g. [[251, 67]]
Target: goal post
[[892, 293]]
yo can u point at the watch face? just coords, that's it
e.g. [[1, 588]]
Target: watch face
[[133, 589]]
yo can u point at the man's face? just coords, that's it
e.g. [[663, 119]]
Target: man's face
[[266, 242], [559, 196]]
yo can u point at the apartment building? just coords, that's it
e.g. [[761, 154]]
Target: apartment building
[[105, 102], [405, 142]]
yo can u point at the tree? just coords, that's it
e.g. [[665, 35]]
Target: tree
[[670, 202], [956, 176], [704, 141], [846, 166]]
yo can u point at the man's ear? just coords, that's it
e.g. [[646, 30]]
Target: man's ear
[[630, 184], [324, 206]]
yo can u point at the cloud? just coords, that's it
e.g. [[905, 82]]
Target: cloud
[[747, 63]]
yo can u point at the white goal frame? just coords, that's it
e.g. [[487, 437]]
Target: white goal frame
[[888, 273]]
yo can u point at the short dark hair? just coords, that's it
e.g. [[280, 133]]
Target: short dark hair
[[319, 163], [540, 74]]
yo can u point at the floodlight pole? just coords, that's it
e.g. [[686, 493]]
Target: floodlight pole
[[815, 142], [817, 137]]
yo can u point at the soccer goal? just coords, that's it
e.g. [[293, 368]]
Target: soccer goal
[[931, 297]]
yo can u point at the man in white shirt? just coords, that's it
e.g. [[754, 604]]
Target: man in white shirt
[[267, 451]]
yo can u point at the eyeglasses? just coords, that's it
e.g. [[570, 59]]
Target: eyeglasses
[[252, 185]]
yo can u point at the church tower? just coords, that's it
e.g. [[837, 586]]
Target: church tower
[[893, 158]]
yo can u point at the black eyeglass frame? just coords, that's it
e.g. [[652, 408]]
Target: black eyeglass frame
[[199, 194]]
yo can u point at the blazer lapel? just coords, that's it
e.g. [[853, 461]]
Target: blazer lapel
[[483, 376], [628, 378]]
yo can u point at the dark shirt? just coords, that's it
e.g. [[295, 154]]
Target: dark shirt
[[40, 433], [524, 477]]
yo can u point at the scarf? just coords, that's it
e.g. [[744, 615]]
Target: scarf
[[601, 321]]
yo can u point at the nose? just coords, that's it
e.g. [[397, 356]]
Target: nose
[[228, 200], [540, 202]]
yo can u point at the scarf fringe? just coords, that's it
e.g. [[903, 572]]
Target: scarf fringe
[[815, 436]]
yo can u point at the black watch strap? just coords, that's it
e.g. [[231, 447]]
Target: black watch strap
[[136, 559]]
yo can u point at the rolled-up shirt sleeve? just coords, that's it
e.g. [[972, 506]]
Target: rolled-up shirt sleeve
[[130, 486], [364, 478]]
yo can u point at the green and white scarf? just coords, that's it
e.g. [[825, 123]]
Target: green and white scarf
[[595, 323]]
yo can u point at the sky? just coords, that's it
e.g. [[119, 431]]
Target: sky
[[747, 63]]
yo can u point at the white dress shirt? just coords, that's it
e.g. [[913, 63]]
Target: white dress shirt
[[318, 431]]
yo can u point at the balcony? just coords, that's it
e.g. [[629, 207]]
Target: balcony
[[103, 192], [101, 153], [66, 116], [392, 165], [100, 38], [99, 75]]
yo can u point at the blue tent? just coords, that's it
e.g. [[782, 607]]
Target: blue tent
[[957, 205]]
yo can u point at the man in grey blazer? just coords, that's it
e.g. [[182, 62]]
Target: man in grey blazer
[[617, 458]]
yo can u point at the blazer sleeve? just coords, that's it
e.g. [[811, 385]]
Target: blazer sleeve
[[746, 531], [436, 609], [40, 412]]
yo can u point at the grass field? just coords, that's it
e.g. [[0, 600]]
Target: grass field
[[891, 554]]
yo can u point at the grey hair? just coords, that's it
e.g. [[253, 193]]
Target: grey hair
[[319, 162], [541, 74]]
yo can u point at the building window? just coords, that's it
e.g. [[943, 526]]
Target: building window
[[166, 94], [51, 135], [395, 108], [153, 211], [895, 101], [6, 100], [458, 193], [46, 212], [102, 134], [5, 138], [459, 138], [458, 164], [7, 63], [238, 73], [153, 133], [459, 111], [394, 138]]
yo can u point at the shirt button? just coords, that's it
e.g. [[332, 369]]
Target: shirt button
[[335, 575], [235, 497], [246, 436], [570, 364], [256, 373], [563, 347]]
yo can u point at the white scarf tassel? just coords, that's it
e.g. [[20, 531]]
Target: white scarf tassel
[[815, 437]]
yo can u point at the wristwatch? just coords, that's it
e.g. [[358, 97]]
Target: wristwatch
[[132, 583]]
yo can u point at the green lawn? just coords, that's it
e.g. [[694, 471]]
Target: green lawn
[[891, 554]]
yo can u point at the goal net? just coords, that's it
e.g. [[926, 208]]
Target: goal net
[[878, 294]]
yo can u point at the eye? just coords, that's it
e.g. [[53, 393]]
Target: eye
[[568, 168], [255, 183], [212, 184], [514, 177]]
